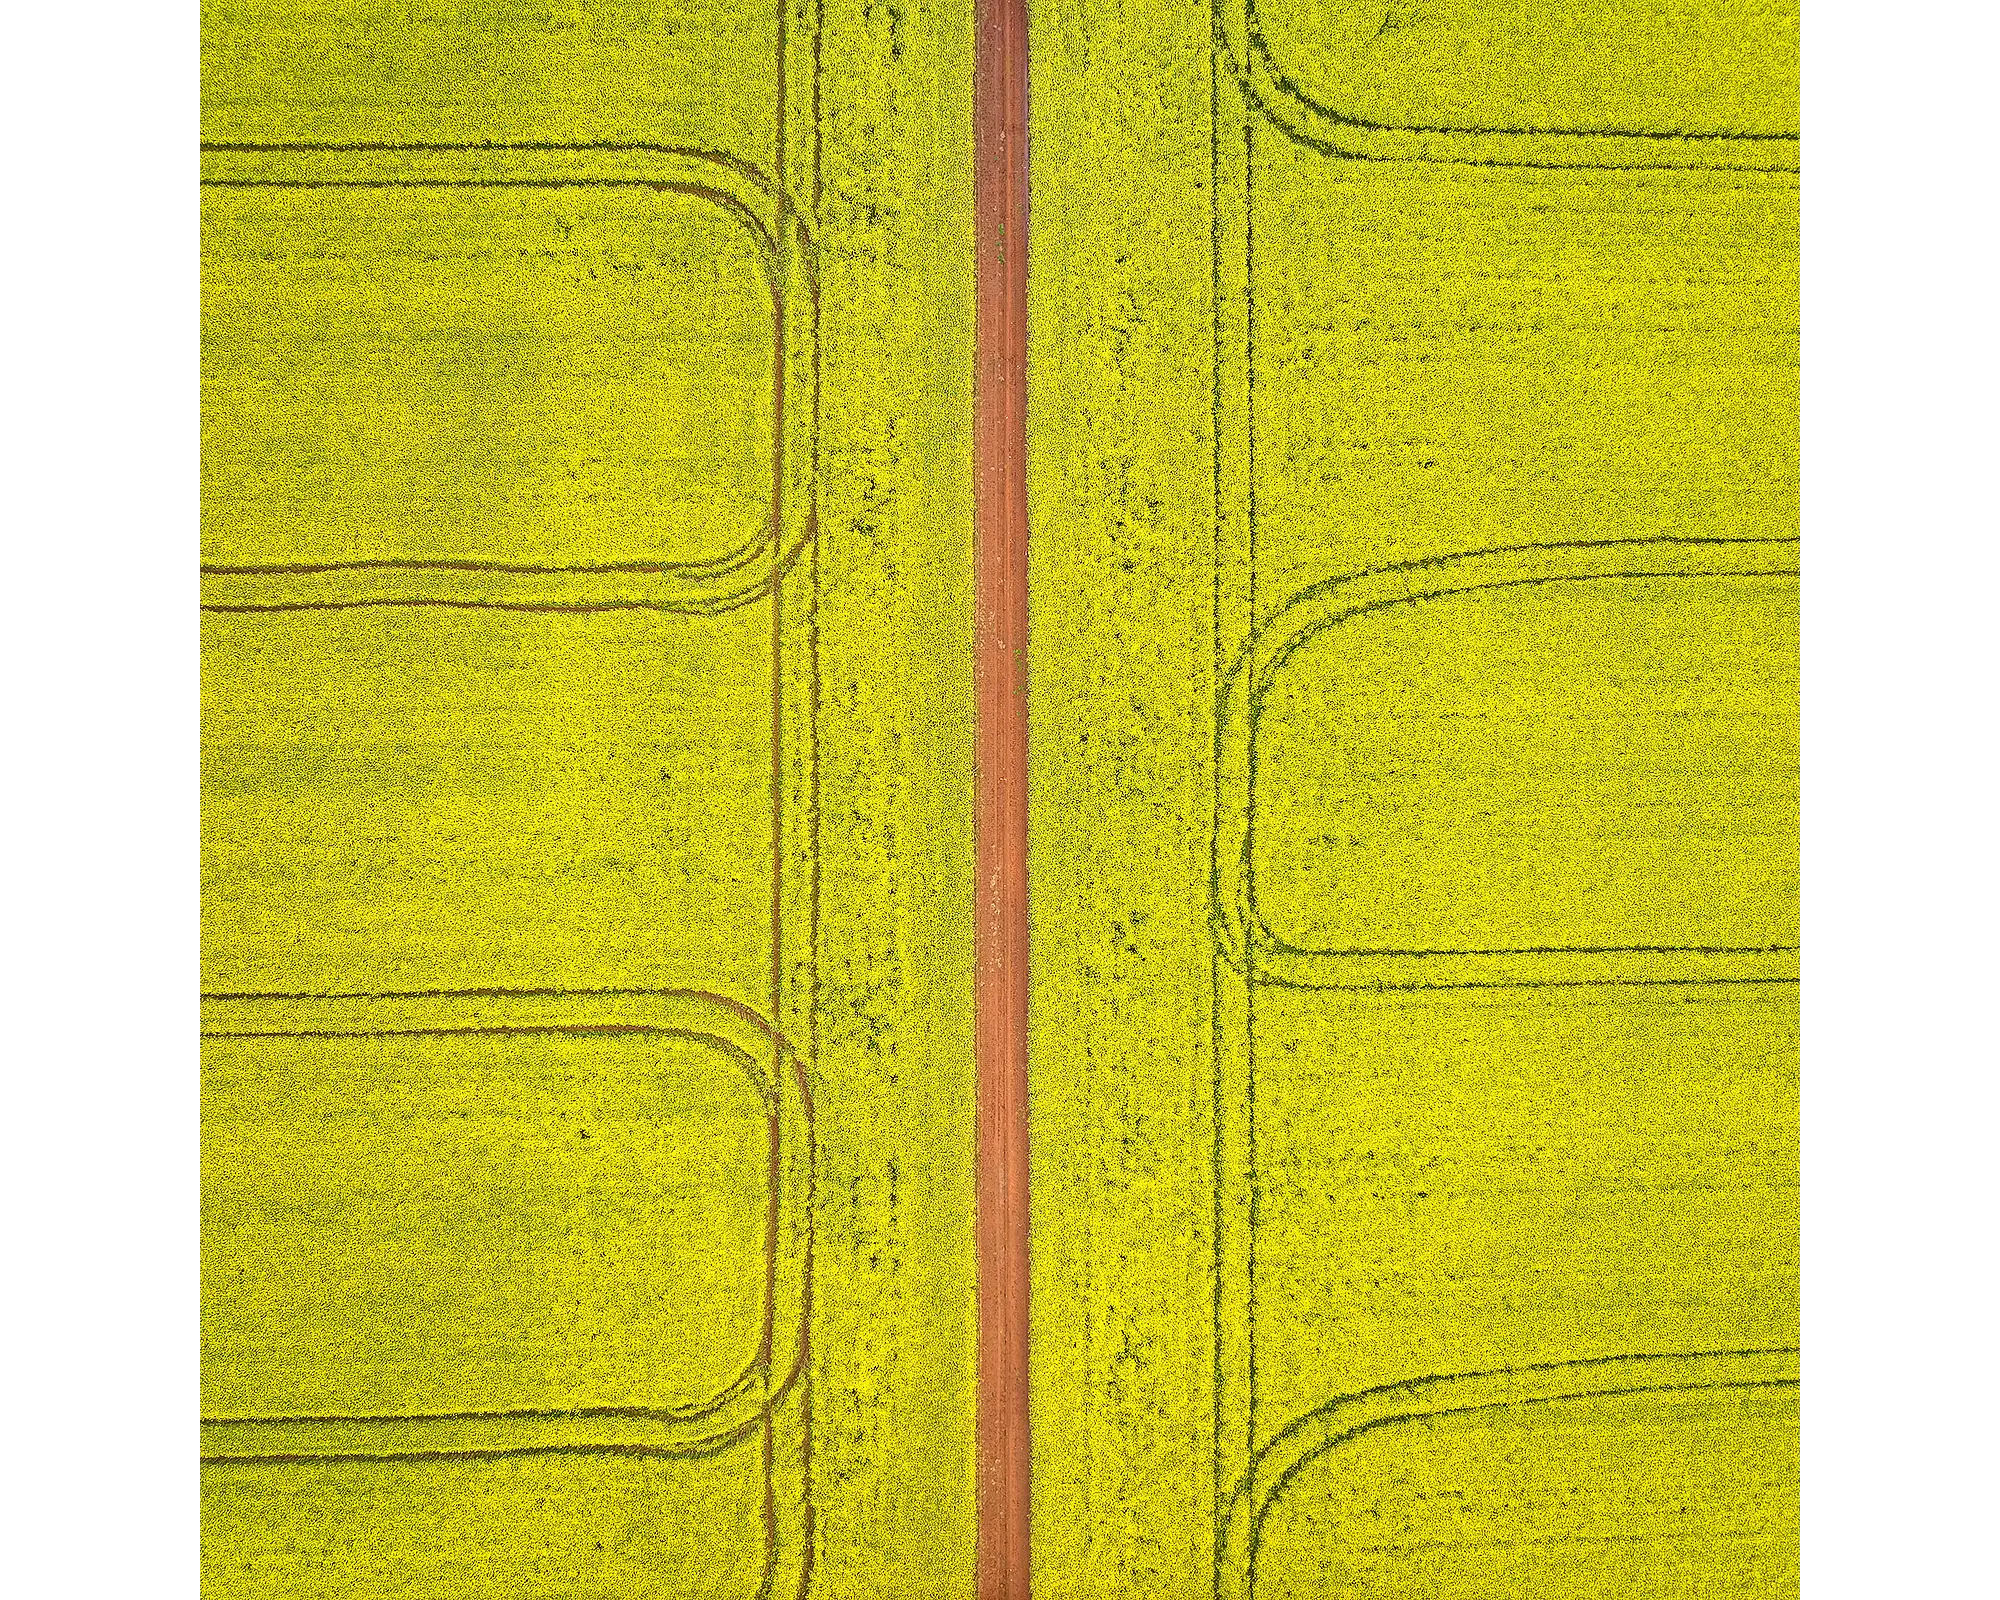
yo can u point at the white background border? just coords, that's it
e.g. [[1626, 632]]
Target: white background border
[[1902, 733], [1902, 800], [99, 518]]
